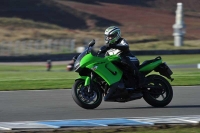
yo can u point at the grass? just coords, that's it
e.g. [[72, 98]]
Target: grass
[[165, 45], [22, 80], [186, 77], [154, 129], [175, 59], [36, 77]]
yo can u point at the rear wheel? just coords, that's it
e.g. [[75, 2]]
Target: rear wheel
[[159, 92], [85, 98]]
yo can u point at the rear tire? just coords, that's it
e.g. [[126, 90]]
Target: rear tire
[[158, 97], [85, 99]]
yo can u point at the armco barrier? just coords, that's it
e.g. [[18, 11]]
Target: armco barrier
[[63, 57], [37, 58]]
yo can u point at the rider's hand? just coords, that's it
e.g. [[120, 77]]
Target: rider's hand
[[103, 49]]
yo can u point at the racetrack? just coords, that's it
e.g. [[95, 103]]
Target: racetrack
[[59, 105]]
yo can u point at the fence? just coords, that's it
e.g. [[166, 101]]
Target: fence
[[35, 47]]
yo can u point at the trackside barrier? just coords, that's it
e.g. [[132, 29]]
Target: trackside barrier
[[69, 56], [36, 47]]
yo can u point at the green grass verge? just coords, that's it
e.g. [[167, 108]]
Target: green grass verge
[[36, 77], [164, 45], [175, 59], [154, 129], [28, 80]]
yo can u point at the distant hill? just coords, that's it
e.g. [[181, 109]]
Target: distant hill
[[143, 17], [146, 17], [48, 11], [189, 5]]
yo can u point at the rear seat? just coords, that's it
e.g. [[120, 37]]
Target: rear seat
[[149, 61]]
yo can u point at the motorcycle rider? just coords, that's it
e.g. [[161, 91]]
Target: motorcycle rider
[[116, 45]]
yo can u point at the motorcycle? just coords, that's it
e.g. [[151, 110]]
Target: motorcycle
[[107, 77]]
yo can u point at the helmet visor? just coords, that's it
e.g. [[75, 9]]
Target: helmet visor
[[110, 37]]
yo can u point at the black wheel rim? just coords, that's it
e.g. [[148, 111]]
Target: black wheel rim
[[161, 92], [85, 96]]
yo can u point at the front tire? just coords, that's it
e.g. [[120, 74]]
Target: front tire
[[85, 99], [159, 96]]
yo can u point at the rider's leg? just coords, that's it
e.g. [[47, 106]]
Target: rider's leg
[[133, 62], [133, 65]]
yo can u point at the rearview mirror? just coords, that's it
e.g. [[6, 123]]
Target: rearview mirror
[[74, 58], [92, 43]]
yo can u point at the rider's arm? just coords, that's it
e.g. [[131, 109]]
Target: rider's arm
[[122, 45]]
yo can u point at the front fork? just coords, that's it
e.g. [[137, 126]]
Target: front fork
[[89, 82]]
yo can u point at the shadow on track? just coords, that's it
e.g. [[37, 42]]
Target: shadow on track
[[183, 106], [150, 107]]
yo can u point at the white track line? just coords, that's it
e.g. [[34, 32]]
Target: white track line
[[190, 121]]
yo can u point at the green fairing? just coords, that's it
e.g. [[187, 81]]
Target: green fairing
[[86, 78], [151, 66], [103, 67], [82, 77], [87, 81]]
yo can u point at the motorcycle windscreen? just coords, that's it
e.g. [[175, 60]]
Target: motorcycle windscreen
[[108, 71]]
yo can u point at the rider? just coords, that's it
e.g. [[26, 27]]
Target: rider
[[115, 45]]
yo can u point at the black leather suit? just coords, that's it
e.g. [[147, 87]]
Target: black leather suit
[[121, 48]]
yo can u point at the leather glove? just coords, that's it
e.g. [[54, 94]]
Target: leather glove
[[103, 49]]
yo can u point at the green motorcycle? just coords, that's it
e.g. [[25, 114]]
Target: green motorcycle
[[109, 78]]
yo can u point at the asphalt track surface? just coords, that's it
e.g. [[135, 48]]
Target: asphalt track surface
[[59, 105]]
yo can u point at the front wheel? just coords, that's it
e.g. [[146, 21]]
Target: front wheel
[[85, 98], [159, 92]]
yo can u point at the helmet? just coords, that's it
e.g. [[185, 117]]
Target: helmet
[[112, 34]]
